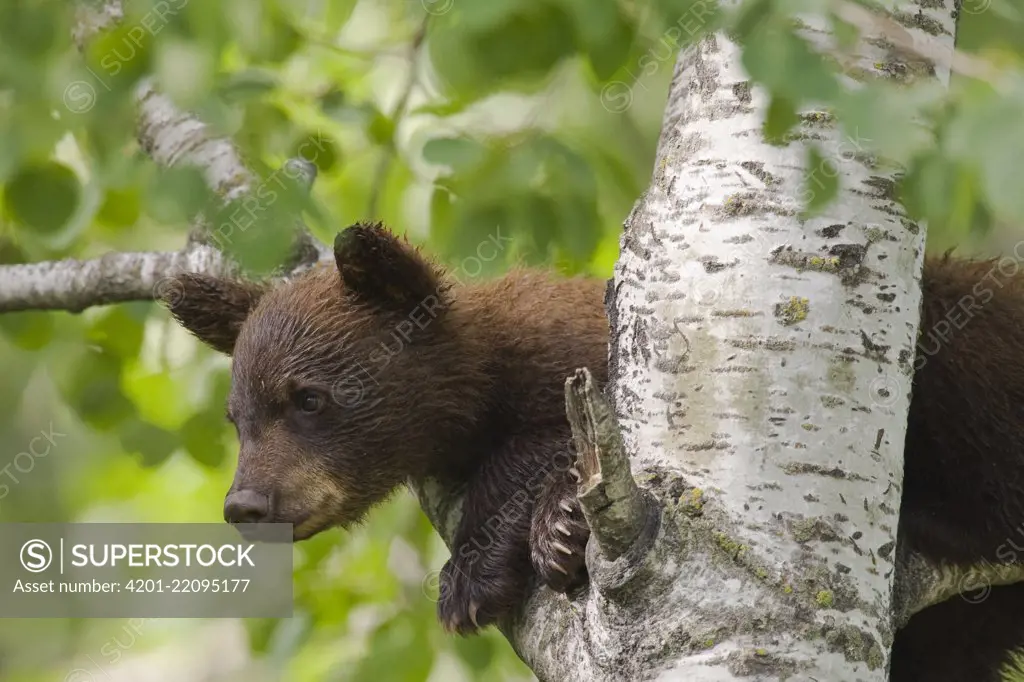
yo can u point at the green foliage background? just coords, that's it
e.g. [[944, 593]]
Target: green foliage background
[[535, 119]]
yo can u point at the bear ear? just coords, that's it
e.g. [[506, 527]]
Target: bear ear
[[212, 308], [386, 272]]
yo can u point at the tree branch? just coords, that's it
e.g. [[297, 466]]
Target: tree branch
[[75, 285], [173, 137], [95, 16], [610, 498], [170, 136], [919, 583], [380, 176]]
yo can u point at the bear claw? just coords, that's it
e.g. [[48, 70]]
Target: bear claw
[[471, 597], [558, 537], [561, 548]]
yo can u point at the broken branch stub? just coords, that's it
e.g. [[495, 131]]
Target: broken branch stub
[[920, 583], [609, 496]]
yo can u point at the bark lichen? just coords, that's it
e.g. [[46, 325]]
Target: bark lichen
[[793, 311]]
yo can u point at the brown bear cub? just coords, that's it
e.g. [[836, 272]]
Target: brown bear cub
[[349, 381]]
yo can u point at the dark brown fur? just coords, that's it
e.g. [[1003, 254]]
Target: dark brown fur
[[466, 384], [420, 380], [963, 494]]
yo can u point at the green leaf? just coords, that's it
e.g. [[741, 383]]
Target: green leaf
[[579, 229], [782, 61], [258, 230], [43, 196], [885, 120], [247, 84], [381, 128], [93, 390], [964, 200], [474, 60], [121, 56], [336, 15], [687, 20], [280, 39], [537, 215], [17, 372], [460, 153], [441, 213], [476, 652], [821, 181], [158, 397], [780, 119], [478, 16], [318, 149], [752, 15], [982, 221], [118, 331], [31, 330], [283, 638], [30, 28], [603, 33], [847, 35], [987, 136], [153, 444], [265, 126], [203, 437], [121, 207], [473, 221], [398, 650], [174, 195], [448, 107], [928, 188]]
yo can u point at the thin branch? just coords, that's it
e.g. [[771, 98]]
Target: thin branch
[[173, 137], [370, 53], [92, 17], [610, 498], [381, 174]]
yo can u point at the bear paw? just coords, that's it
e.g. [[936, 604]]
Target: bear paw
[[472, 597], [558, 537]]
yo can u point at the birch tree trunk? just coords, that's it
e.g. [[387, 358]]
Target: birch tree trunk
[[743, 484], [767, 360]]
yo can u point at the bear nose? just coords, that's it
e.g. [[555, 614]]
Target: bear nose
[[246, 506]]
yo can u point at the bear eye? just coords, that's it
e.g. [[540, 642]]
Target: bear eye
[[309, 401]]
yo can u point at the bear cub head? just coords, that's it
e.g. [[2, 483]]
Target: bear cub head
[[345, 382]]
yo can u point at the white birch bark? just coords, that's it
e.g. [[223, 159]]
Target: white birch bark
[[760, 371], [767, 360]]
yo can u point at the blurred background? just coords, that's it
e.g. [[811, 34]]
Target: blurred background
[[454, 121]]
